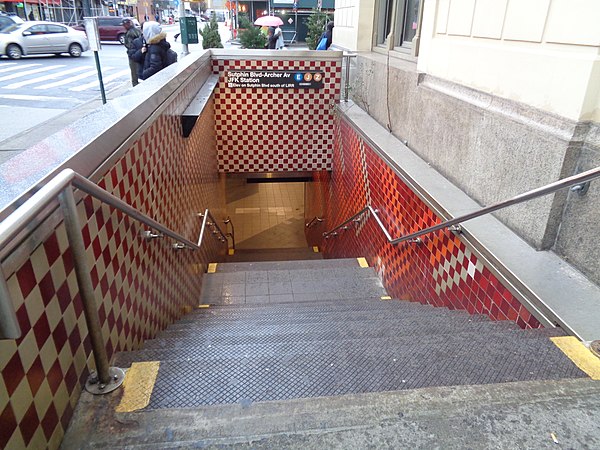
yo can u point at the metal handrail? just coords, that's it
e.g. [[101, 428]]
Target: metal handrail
[[228, 221], [314, 220], [215, 228], [580, 181], [61, 186], [22, 216]]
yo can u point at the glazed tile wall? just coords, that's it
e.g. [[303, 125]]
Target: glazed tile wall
[[441, 271], [315, 195], [141, 286], [275, 130]]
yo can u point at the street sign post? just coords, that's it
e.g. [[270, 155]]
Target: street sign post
[[93, 35], [189, 30]]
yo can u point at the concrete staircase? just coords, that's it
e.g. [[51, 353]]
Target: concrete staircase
[[307, 333]]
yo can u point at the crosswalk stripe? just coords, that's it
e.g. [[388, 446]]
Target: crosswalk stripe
[[44, 78], [81, 76], [84, 87], [37, 98], [29, 72], [15, 66]]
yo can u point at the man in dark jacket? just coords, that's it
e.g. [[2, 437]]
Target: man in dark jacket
[[153, 54], [131, 34]]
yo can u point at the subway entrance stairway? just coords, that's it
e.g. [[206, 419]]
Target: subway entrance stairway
[[313, 354]]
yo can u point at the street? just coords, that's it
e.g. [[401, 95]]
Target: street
[[35, 89]]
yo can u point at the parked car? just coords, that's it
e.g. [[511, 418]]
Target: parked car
[[111, 28], [8, 20], [34, 38]]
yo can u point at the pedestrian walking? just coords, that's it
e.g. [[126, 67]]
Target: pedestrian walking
[[279, 43], [132, 34], [271, 39], [153, 54]]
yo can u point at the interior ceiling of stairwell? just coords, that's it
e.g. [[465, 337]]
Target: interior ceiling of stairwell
[[266, 214]]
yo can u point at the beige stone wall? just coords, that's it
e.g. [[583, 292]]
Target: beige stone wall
[[354, 24], [543, 53]]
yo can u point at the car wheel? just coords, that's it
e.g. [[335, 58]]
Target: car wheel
[[13, 51], [75, 50], [121, 38]]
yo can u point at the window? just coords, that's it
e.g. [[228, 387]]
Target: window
[[406, 22], [37, 29], [56, 29]]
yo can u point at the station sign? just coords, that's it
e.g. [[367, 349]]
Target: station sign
[[275, 79]]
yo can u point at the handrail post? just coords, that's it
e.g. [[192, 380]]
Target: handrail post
[[108, 378], [9, 325], [347, 81]]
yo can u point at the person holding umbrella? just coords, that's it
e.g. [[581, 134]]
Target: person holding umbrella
[[271, 39]]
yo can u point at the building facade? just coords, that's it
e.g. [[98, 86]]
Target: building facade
[[500, 96]]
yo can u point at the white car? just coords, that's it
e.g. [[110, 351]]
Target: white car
[[35, 38]]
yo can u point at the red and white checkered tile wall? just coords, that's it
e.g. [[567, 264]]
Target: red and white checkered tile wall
[[275, 130], [441, 271], [141, 286]]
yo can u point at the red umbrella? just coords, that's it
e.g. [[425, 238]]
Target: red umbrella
[[268, 21]]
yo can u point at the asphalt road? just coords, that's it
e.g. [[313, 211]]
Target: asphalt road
[[35, 89]]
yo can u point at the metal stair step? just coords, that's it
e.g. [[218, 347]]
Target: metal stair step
[[373, 308], [287, 265], [330, 331], [371, 347], [472, 358], [213, 320]]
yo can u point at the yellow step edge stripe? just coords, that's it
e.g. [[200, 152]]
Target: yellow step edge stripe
[[316, 249], [138, 385], [579, 354], [386, 297], [203, 306], [212, 268], [362, 262]]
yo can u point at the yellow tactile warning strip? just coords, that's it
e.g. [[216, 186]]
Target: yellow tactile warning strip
[[203, 306], [138, 385], [212, 268], [316, 249], [579, 354], [362, 262], [386, 297], [231, 251]]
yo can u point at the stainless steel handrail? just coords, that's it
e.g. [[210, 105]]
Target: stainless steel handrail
[[314, 220], [228, 221], [23, 215], [61, 187], [580, 180], [215, 228]]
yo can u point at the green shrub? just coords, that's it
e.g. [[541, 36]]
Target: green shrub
[[210, 35], [251, 36], [316, 26]]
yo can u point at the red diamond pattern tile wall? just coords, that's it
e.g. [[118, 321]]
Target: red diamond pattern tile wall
[[441, 271], [275, 130], [141, 286]]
